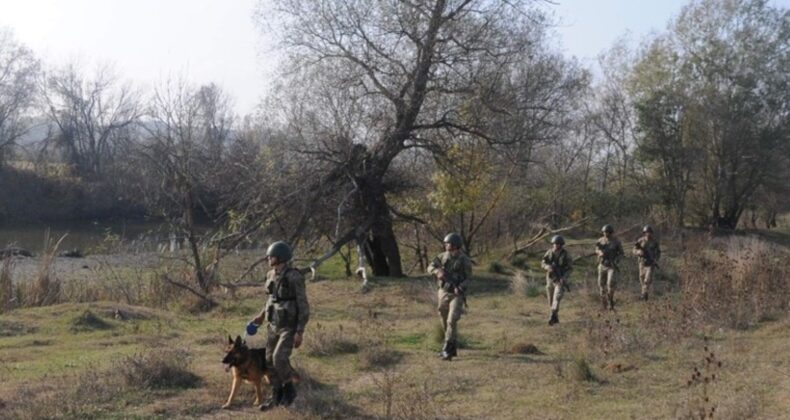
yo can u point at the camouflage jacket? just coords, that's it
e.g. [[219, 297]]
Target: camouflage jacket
[[561, 260], [457, 269], [286, 306], [651, 251], [612, 251]]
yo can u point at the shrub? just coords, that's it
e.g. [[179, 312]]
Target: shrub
[[158, 368], [402, 397], [705, 375], [496, 267], [581, 370], [7, 285], [88, 321], [379, 356], [332, 341], [524, 348], [736, 287], [522, 285], [519, 261], [46, 288], [519, 283]]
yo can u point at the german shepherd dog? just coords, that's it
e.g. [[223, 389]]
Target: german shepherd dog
[[247, 365]]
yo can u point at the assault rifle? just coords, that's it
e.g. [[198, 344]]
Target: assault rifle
[[556, 272], [451, 283], [646, 255], [608, 259]]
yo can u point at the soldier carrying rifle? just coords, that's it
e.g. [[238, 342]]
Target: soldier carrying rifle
[[558, 265], [648, 250], [608, 249], [453, 270]]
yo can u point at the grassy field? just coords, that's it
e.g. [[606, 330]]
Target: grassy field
[[374, 355]]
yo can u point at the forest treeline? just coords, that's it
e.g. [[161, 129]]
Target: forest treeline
[[393, 122]]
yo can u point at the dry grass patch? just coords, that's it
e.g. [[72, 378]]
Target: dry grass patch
[[524, 348], [737, 287], [581, 371], [618, 367], [329, 341], [13, 328], [158, 368], [7, 285], [88, 321]]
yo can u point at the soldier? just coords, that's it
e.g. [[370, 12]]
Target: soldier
[[648, 252], [609, 249], [558, 265], [453, 270], [287, 312]]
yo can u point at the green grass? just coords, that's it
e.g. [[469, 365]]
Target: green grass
[[410, 340], [38, 345]]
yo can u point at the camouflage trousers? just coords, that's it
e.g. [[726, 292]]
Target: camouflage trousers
[[279, 345], [606, 281], [646, 273], [554, 292], [450, 309]]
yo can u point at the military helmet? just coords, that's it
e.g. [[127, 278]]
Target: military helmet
[[558, 239], [453, 239], [279, 250], [647, 228], [607, 229]]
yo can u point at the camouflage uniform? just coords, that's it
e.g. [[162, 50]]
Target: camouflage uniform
[[648, 261], [607, 268], [287, 312], [556, 279], [451, 304]]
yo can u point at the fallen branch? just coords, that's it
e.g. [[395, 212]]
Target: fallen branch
[[544, 233], [246, 272], [191, 290]]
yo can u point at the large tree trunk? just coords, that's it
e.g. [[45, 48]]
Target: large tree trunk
[[387, 250], [382, 250], [374, 254]]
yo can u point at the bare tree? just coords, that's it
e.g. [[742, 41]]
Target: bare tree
[[91, 115], [612, 114], [187, 129], [408, 69], [18, 71]]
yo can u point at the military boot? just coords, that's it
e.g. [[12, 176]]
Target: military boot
[[611, 303], [605, 301], [289, 394], [555, 317], [454, 349], [275, 400], [644, 296], [448, 351]]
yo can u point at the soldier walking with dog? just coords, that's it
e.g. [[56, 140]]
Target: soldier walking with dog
[[558, 265], [286, 312], [453, 270], [609, 250], [648, 251]]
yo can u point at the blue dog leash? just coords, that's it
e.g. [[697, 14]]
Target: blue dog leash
[[252, 328]]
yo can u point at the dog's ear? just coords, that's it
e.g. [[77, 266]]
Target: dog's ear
[[230, 340], [238, 341]]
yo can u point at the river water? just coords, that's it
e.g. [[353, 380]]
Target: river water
[[87, 236]]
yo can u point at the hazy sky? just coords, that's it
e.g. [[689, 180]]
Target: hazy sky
[[216, 40]]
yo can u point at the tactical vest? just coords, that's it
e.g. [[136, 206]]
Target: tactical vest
[[454, 271], [281, 309], [558, 260]]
